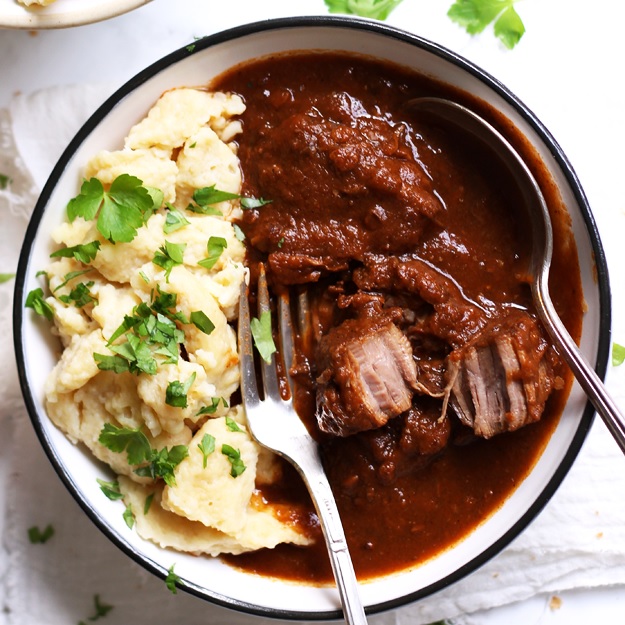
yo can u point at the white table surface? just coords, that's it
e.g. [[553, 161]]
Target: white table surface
[[567, 69]]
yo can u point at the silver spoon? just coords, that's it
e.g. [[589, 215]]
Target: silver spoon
[[542, 250]]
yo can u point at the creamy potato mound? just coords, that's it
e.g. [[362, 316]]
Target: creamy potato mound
[[185, 143], [36, 3]]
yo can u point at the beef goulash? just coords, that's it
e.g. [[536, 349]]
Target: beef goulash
[[424, 364]]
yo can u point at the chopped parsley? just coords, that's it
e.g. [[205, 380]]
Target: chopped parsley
[[110, 489], [6, 277], [148, 503], [176, 393], [376, 9], [149, 332], [36, 301], [80, 295], [202, 322], [232, 425], [84, 253], [5, 181], [212, 409], [618, 354], [153, 463], [129, 516], [174, 220], [38, 537], [214, 249], [238, 233], [475, 15], [172, 581], [101, 609], [120, 211], [253, 202], [207, 447], [68, 277], [237, 466], [263, 338], [168, 256]]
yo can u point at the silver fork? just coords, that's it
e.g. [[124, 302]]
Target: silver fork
[[274, 424]]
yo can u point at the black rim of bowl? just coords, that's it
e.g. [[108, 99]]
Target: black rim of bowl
[[428, 46]]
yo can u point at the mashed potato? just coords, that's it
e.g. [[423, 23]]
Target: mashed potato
[[149, 353]]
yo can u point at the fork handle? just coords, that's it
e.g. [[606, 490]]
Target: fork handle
[[342, 567]]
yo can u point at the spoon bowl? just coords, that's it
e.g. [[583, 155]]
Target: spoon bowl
[[479, 129]]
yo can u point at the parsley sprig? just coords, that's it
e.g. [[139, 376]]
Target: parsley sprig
[[376, 9], [120, 211], [151, 462], [476, 15]]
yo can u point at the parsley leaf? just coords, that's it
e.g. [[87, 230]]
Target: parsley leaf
[[110, 489], [101, 609], [129, 516], [211, 195], [214, 249], [36, 301], [36, 536], [253, 202], [232, 425], [618, 354], [148, 503], [172, 580], [234, 457], [475, 15], [80, 295], [263, 338], [84, 253], [168, 256], [174, 220], [119, 439], [68, 277], [6, 277], [154, 463], [176, 393], [238, 233], [201, 321], [120, 211], [5, 181], [213, 407], [376, 9], [207, 447]]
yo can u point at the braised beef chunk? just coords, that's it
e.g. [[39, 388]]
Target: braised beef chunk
[[500, 381], [368, 375]]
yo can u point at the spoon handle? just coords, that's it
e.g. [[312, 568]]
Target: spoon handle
[[590, 382]]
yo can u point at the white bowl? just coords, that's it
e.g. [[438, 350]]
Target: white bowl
[[197, 65]]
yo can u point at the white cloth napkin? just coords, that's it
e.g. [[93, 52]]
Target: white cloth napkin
[[578, 541]]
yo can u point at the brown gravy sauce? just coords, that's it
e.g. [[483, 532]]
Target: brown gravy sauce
[[398, 525]]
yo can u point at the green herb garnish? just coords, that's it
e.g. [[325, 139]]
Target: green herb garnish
[[148, 503], [36, 301], [232, 425], [214, 249], [176, 393], [174, 220], [110, 489], [101, 609], [79, 295], [37, 537], [376, 9], [168, 256], [238, 233], [84, 253], [263, 338], [212, 408], [237, 466], [5, 181], [172, 581], [129, 516], [618, 354], [207, 447], [201, 321], [6, 277], [154, 463], [475, 15], [253, 202], [120, 211], [68, 277]]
